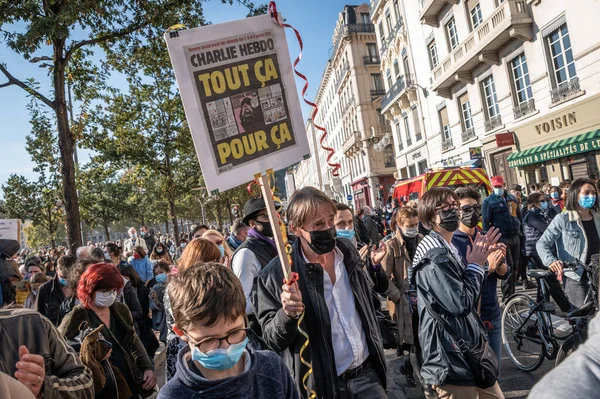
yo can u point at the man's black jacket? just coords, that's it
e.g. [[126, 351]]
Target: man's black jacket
[[281, 333]]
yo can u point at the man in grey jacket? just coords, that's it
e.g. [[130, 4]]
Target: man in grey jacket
[[37, 355], [578, 376]]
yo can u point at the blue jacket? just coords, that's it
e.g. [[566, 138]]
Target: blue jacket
[[490, 308], [503, 214], [143, 267], [566, 234], [267, 377]]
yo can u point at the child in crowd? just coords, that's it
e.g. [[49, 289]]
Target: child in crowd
[[157, 293], [209, 308]]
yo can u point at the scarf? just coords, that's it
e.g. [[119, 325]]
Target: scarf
[[235, 240], [256, 234]]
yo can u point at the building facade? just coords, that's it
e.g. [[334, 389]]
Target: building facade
[[348, 108], [517, 81]]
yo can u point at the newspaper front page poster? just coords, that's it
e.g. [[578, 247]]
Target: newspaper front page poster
[[238, 90]]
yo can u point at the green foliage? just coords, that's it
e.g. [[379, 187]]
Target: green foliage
[[37, 236]]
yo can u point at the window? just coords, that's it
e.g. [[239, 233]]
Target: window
[[520, 75], [396, 69], [381, 34], [417, 124], [406, 65], [365, 19], [376, 82], [452, 34], [433, 55], [563, 64], [465, 112], [382, 120], [422, 167], [445, 124], [407, 129], [400, 144], [372, 50], [396, 10], [412, 171], [388, 157], [388, 21], [491, 101], [389, 79], [475, 13]]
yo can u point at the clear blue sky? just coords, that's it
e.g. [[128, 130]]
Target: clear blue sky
[[314, 19]]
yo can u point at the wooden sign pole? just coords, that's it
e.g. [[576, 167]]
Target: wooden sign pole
[[265, 189]]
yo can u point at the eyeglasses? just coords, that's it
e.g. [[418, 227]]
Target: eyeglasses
[[446, 206], [470, 208], [212, 343]]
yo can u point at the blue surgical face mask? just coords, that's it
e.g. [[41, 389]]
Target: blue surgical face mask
[[587, 201], [63, 281], [343, 233], [161, 278], [220, 359], [554, 195], [222, 249], [499, 191], [544, 205], [106, 255]]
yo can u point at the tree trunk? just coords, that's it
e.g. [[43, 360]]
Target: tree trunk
[[219, 216], [171, 198], [52, 243], [167, 226], [107, 233], [229, 210], [66, 144]]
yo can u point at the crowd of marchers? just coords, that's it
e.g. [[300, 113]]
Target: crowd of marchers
[[88, 324]]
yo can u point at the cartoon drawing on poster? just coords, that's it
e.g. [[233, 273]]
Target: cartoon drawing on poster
[[235, 93]]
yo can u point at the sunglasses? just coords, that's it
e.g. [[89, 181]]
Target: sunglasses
[[447, 206], [470, 208]]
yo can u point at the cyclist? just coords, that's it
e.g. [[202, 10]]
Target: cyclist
[[574, 234], [535, 224]]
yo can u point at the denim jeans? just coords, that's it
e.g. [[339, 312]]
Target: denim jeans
[[495, 337]]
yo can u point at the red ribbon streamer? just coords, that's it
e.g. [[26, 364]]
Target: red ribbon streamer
[[335, 166]]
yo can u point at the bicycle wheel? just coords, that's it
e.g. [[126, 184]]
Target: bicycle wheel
[[569, 346], [522, 340]]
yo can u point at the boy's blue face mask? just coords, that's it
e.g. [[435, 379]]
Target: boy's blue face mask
[[343, 233], [220, 359]]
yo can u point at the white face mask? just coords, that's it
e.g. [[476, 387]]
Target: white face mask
[[105, 299]]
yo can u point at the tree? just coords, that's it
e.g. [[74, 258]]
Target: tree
[[39, 201], [103, 197], [118, 27]]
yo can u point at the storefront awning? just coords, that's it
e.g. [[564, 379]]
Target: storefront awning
[[585, 142]]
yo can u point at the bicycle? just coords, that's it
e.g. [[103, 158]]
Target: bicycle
[[528, 333]]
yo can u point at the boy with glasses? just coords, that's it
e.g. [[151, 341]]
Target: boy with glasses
[[209, 308]]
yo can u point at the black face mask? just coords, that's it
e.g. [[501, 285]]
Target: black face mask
[[322, 242], [266, 229], [471, 219], [449, 220]]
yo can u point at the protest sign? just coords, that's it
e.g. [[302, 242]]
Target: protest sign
[[238, 90], [10, 229]]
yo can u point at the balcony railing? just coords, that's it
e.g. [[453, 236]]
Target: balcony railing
[[447, 144], [352, 143], [383, 46], [408, 141], [377, 93], [371, 60], [492, 123], [511, 20], [418, 136], [395, 30], [468, 134], [524, 108], [400, 146], [348, 105], [565, 89], [351, 29], [398, 87]]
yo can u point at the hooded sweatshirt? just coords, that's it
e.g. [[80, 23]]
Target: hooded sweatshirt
[[265, 376]]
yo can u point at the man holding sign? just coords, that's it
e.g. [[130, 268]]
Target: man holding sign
[[345, 346]]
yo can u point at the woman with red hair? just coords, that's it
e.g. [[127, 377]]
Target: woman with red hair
[[97, 291]]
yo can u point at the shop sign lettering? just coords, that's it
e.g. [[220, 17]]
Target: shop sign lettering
[[556, 123], [567, 151]]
